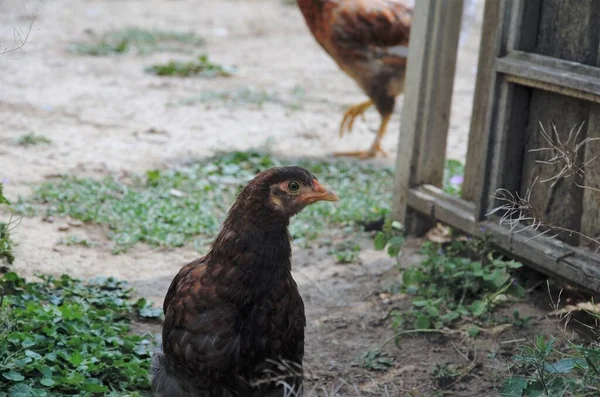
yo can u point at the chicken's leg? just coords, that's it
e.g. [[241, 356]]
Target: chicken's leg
[[352, 113], [376, 146]]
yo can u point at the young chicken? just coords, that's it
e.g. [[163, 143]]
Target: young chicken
[[369, 41], [234, 314]]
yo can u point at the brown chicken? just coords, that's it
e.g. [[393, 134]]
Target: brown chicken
[[234, 320], [369, 41]]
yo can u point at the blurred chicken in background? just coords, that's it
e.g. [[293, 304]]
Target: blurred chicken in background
[[368, 39]]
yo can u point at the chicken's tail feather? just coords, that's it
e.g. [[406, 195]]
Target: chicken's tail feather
[[164, 384]]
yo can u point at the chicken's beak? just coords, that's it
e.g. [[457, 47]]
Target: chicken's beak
[[318, 193]]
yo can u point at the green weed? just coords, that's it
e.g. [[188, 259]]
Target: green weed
[[346, 252], [448, 290], [3, 200], [543, 369], [6, 248], [445, 375], [448, 286], [232, 98], [200, 67], [63, 337], [243, 96], [101, 49], [377, 361], [516, 320], [391, 237], [187, 205], [32, 139], [77, 240], [143, 41], [454, 172]]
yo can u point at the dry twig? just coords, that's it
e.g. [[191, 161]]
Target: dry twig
[[517, 212], [565, 154], [20, 36]]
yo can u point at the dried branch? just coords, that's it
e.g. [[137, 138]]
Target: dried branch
[[20, 36], [281, 372], [517, 212], [565, 155]]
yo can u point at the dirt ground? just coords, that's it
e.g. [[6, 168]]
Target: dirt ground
[[105, 115]]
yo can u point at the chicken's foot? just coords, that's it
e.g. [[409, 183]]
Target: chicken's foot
[[375, 147], [351, 114]]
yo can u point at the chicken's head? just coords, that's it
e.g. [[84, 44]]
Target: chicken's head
[[290, 189]]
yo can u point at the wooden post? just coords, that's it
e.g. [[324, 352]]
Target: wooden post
[[426, 112], [485, 87], [508, 110], [590, 216]]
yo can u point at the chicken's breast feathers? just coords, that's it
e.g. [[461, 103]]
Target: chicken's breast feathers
[[214, 327], [199, 330]]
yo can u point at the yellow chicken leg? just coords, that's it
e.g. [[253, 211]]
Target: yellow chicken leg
[[375, 147], [352, 113]]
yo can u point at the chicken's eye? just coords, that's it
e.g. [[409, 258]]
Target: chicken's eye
[[293, 186]]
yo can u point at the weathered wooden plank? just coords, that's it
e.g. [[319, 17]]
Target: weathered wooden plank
[[560, 203], [478, 143], [550, 256], [432, 201], [552, 88], [565, 77], [414, 103], [509, 109], [428, 94], [510, 130], [569, 30], [590, 217], [506, 151], [522, 24]]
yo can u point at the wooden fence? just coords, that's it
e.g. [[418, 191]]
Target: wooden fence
[[539, 62]]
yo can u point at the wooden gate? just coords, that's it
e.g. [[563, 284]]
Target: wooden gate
[[539, 66]]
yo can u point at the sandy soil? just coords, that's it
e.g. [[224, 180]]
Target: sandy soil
[[102, 114]]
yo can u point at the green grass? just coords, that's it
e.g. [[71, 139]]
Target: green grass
[[63, 337], [232, 98], [6, 247], [143, 41], [3, 200], [201, 67], [77, 240], [448, 286], [32, 139], [454, 172], [456, 287], [244, 96], [345, 252], [187, 205], [542, 369], [391, 238]]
